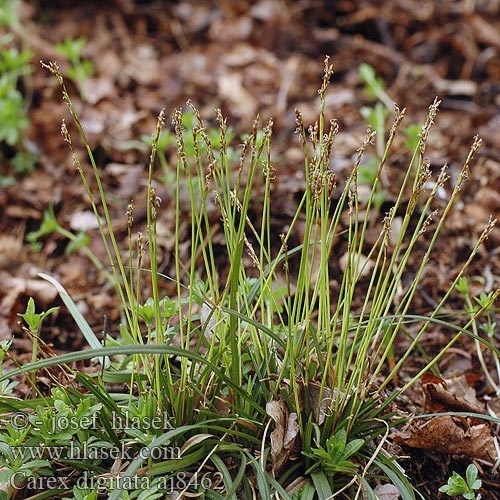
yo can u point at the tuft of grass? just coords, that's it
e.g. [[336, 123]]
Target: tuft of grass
[[270, 382]]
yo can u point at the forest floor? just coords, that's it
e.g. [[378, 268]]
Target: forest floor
[[248, 58]]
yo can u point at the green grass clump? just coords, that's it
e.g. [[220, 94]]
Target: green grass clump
[[274, 382]]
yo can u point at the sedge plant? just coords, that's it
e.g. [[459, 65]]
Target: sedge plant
[[274, 381]]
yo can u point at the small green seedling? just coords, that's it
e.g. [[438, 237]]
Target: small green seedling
[[15, 466], [79, 241], [79, 70], [50, 225], [34, 320], [84, 494], [147, 311], [374, 86], [457, 485], [335, 458]]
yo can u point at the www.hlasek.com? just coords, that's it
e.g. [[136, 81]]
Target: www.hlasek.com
[[85, 451], [102, 485]]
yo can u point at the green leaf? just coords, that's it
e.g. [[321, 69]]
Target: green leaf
[[471, 474], [32, 319], [397, 477], [456, 485], [484, 300], [352, 447], [462, 285], [49, 225], [147, 311], [322, 485], [87, 332], [72, 48], [80, 240]]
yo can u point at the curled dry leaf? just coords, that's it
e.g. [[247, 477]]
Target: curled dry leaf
[[285, 433], [451, 435], [451, 401], [231, 88], [453, 395], [321, 400]]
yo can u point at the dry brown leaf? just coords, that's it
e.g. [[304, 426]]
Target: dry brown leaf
[[266, 10], [319, 408], [142, 64], [484, 31], [15, 291], [292, 431], [285, 433], [494, 407], [10, 247], [451, 435], [231, 88], [129, 178], [443, 397], [319, 399], [226, 30], [461, 388]]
